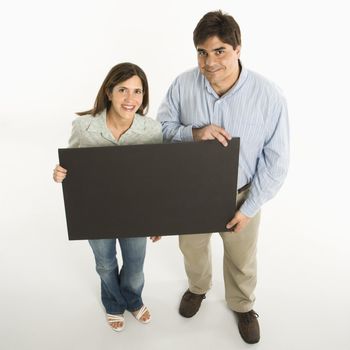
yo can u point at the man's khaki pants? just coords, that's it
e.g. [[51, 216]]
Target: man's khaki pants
[[240, 268]]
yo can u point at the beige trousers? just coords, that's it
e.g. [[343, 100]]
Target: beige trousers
[[240, 268]]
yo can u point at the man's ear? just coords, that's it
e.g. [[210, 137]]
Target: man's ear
[[238, 50]]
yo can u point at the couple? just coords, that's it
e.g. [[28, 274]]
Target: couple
[[217, 99]]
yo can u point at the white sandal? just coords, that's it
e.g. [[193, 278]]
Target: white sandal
[[116, 318], [140, 313]]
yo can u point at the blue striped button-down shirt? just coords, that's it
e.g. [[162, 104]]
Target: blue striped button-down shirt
[[253, 109]]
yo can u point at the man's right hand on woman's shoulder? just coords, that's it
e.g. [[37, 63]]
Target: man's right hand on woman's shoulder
[[59, 173]]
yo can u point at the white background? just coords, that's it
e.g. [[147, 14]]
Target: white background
[[54, 57]]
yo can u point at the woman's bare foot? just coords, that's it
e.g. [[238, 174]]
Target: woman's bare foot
[[143, 314], [117, 322]]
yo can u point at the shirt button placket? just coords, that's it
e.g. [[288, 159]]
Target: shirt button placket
[[216, 114]]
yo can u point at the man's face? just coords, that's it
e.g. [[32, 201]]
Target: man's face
[[218, 62]]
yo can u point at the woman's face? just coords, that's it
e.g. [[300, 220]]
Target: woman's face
[[126, 98]]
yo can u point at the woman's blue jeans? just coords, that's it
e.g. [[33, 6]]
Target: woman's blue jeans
[[120, 289]]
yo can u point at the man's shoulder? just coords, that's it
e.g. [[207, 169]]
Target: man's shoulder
[[190, 75], [264, 84]]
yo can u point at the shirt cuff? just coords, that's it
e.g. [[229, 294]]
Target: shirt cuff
[[186, 134], [249, 209]]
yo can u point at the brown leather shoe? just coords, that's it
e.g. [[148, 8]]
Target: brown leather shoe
[[190, 303], [248, 326]]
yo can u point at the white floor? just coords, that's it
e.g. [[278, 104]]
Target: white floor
[[50, 292], [53, 59]]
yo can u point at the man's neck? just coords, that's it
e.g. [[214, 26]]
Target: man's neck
[[224, 86]]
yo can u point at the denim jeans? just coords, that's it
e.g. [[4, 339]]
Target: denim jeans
[[120, 289]]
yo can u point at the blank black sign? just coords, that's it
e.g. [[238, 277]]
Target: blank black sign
[[145, 190]]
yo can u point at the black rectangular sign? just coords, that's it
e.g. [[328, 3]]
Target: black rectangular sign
[[146, 190]]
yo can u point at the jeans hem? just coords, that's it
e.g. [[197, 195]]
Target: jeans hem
[[115, 312], [135, 309]]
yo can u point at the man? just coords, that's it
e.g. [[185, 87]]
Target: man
[[218, 99]]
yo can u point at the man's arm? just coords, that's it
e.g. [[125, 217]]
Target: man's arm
[[174, 131], [169, 117], [273, 164], [271, 170]]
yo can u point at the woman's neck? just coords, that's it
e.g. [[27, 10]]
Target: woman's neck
[[116, 124]]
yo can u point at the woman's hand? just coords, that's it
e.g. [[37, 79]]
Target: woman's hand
[[155, 238], [59, 173]]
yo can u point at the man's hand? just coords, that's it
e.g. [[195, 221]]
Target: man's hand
[[155, 238], [238, 222], [211, 132]]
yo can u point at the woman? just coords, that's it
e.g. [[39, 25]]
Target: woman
[[117, 118]]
